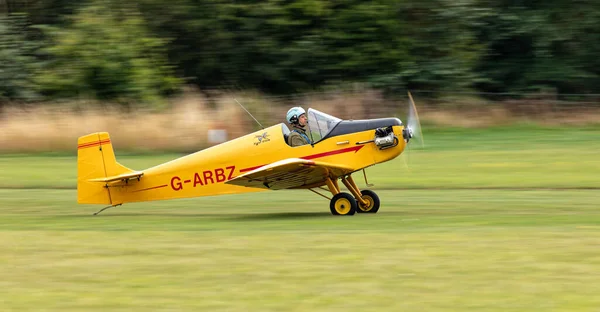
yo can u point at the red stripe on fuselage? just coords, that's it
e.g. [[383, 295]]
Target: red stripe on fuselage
[[151, 188], [314, 156], [335, 152], [250, 168]]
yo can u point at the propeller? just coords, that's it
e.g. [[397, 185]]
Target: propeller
[[412, 132], [412, 123]]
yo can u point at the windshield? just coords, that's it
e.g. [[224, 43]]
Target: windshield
[[319, 124]]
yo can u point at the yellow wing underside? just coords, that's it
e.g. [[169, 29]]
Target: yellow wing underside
[[121, 177], [290, 173]]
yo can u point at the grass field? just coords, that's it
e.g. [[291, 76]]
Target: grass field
[[485, 220]]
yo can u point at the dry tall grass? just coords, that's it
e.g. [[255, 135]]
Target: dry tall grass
[[184, 126], [56, 128]]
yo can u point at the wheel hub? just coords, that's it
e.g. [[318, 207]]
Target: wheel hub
[[368, 205], [342, 206]]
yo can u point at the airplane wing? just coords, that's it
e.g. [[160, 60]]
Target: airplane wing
[[121, 177], [289, 173]]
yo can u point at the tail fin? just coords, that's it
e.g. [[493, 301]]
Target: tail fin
[[96, 159]]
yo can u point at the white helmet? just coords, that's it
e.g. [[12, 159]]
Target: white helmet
[[294, 113]]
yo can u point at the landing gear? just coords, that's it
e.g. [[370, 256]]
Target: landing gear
[[367, 200], [372, 200], [364, 201]]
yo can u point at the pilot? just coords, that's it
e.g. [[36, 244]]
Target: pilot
[[296, 116]]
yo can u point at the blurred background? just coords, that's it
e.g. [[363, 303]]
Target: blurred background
[[168, 72]]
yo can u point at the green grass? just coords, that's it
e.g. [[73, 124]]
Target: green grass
[[515, 230], [433, 250]]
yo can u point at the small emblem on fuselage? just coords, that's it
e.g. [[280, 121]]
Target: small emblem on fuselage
[[262, 138]]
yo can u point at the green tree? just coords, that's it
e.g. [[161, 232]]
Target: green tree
[[17, 60], [121, 50], [539, 45], [41, 12], [106, 52], [294, 46]]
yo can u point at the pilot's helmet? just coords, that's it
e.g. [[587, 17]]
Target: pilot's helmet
[[294, 113]]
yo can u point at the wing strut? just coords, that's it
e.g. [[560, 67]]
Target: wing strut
[[319, 194]]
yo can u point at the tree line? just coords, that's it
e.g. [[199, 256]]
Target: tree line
[[142, 51]]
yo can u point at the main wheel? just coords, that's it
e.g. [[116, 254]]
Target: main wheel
[[372, 200], [343, 204]]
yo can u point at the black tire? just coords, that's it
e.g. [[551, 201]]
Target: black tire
[[343, 204], [373, 200]]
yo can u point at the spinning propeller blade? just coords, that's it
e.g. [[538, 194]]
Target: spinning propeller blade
[[413, 123], [412, 131]]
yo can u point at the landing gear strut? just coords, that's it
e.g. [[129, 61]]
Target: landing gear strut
[[365, 201]]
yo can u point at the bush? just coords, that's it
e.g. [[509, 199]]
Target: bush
[[17, 60], [107, 53]]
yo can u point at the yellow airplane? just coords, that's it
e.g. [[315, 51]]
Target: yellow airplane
[[255, 162]]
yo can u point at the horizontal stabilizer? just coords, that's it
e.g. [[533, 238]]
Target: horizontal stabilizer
[[121, 177]]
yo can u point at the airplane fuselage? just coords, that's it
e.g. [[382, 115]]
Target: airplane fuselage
[[204, 173]]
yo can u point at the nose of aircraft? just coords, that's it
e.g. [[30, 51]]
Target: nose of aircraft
[[407, 134]]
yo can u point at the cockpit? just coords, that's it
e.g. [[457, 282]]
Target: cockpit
[[321, 125]]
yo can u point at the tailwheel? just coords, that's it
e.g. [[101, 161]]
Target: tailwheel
[[372, 200], [343, 204]]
